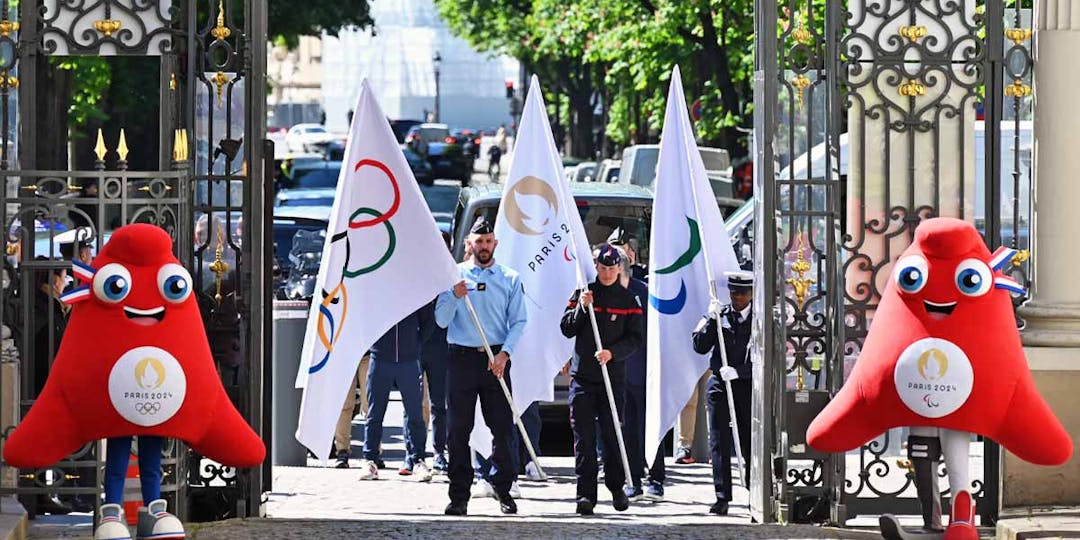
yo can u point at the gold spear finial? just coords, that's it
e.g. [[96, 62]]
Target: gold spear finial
[[122, 148], [99, 148]]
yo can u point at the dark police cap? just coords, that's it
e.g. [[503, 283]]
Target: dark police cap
[[618, 237], [740, 281], [481, 226], [608, 256], [82, 237]]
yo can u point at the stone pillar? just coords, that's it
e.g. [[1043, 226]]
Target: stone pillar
[[1052, 336]]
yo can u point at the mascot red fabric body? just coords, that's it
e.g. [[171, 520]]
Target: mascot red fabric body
[[134, 360], [944, 352]]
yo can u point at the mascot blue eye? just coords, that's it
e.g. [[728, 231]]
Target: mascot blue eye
[[973, 278], [174, 282], [112, 283], [911, 273]]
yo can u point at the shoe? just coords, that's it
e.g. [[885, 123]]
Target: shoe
[[342, 460], [406, 468], [439, 463], [619, 500], [421, 471], [369, 470], [962, 520], [157, 524], [633, 493], [683, 456], [655, 492], [719, 508], [112, 525], [585, 506], [515, 490], [482, 488], [457, 509], [532, 472], [380, 463], [506, 503], [49, 504]]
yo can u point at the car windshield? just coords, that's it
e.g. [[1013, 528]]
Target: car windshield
[[320, 177], [315, 129], [434, 134], [441, 199], [306, 201]]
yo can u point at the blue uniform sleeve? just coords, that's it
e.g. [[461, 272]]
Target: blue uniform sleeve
[[516, 315], [445, 308]]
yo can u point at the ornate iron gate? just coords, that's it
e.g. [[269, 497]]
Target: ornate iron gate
[[870, 117], [211, 171]]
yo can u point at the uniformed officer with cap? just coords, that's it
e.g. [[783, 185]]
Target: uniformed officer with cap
[[618, 320], [735, 319], [620, 238], [499, 299], [75, 244]]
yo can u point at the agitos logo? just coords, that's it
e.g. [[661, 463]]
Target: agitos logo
[[530, 223], [336, 300]]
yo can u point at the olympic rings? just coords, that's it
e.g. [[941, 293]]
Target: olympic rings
[[390, 246], [379, 218], [150, 407], [329, 339]]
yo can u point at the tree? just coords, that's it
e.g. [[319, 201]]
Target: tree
[[287, 21]]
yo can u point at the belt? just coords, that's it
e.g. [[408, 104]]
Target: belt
[[463, 349]]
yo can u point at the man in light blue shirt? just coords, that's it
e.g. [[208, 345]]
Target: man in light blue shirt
[[497, 295]]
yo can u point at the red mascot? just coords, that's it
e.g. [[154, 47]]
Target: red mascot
[[944, 357], [134, 361]]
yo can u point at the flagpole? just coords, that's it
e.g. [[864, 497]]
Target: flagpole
[[506, 391], [596, 336], [714, 303]]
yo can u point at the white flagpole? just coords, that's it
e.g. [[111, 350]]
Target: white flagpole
[[506, 391], [714, 312], [596, 337]]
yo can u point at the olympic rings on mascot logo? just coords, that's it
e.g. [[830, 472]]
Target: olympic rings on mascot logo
[[150, 407]]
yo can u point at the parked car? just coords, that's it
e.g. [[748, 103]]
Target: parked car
[[639, 167], [301, 136], [442, 198], [585, 172], [305, 197], [470, 140], [603, 208], [294, 281], [608, 172], [421, 169], [401, 128], [442, 152]]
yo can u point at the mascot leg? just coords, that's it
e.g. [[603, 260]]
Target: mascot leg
[[112, 525], [956, 447], [154, 521], [924, 452]]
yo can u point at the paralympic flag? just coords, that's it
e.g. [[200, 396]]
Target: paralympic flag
[[687, 228], [383, 259]]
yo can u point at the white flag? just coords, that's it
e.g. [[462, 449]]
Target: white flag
[[541, 237], [686, 228], [383, 259]]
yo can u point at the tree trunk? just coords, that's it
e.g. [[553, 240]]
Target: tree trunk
[[714, 65], [53, 95], [581, 118]]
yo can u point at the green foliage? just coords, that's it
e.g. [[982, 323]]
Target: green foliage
[[627, 48], [91, 77], [288, 20]]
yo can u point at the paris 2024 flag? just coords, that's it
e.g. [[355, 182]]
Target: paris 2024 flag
[[542, 238], [383, 259], [686, 228]]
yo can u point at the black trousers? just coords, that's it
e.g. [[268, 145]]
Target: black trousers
[[589, 402], [634, 437], [720, 437], [468, 379]]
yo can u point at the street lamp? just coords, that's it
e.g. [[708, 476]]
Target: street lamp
[[436, 60]]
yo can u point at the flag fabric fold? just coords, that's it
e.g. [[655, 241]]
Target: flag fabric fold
[[383, 258], [687, 227], [540, 236]]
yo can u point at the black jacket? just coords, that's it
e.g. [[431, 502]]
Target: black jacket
[[405, 341], [618, 317], [736, 340]]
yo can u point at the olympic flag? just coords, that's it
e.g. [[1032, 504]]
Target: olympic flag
[[383, 259], [682, 261]]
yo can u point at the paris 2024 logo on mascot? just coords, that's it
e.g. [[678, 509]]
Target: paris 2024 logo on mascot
[[944, 354]]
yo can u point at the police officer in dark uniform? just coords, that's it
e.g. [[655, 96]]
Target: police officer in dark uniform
[[499, 299], [736, 322], [618, 318]]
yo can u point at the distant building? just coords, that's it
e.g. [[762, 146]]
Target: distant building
[[396, 57], [295, 78]]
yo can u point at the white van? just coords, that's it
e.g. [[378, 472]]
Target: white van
[[640, 164]]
